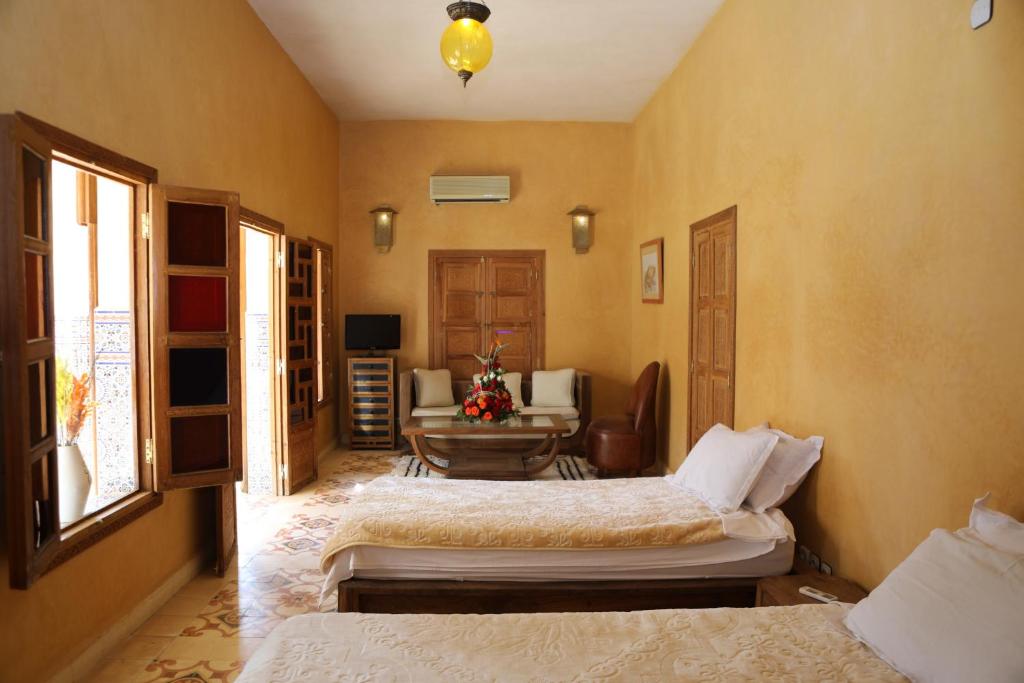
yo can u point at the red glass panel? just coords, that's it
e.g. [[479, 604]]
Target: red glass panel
[[197, 304]]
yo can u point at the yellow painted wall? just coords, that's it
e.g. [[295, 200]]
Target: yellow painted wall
[[203, 92], [553, 167], [876, 154]]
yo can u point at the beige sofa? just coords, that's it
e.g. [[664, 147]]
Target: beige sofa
[[577, 416]]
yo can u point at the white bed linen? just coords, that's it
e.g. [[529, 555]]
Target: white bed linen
[[758, 545], [800, 643]]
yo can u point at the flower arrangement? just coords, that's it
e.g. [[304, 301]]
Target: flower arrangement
[[489, 400], [73, 404]]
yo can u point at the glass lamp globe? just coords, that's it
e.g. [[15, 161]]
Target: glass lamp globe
[[466, 45]]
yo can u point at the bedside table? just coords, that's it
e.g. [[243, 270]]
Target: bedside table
[[784, 590]]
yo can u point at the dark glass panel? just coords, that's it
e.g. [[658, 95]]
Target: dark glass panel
[[199, 377]]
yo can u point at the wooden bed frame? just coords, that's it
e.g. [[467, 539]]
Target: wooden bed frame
[[401, 596]]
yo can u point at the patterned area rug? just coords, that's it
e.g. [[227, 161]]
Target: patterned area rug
[[568, 467]]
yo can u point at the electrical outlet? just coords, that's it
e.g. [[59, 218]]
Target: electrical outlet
[[826, 569], [814, 561], [803, 554]]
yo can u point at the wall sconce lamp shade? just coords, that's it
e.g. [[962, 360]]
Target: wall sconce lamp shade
[[582, 229], [383, 228]]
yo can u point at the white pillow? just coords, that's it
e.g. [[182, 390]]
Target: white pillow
[[723, 466], [997, 529], [433, 388], [952, 611], [786, 469], [514, 384], [553, 388]]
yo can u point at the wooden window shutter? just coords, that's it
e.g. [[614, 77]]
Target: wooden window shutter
[[298, 381], [196, 345], [28, 390]]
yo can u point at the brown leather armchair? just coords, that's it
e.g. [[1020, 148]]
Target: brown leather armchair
[[625, 444]]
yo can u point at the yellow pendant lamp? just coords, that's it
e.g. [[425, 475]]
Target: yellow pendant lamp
[[466, 45]]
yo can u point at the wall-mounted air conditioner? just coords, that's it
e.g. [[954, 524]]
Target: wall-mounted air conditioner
[[470, 189]]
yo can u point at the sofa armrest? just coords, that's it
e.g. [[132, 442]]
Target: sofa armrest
[[583, 395], [405, 397]]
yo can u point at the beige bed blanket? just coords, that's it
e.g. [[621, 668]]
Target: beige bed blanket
[[804, 643], [441, 513]]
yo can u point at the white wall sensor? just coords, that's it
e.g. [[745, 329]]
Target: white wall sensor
[[981, 13]]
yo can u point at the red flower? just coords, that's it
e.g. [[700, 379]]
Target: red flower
[[488, 417]]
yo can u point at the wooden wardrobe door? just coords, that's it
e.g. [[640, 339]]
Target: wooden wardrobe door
[[712, 323], [27, 385], [458, 327], [196, 343], [511, 306], [298, 457]]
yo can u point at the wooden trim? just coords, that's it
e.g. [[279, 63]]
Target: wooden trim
[[402, 596], [660, 243], [96, 526], [257, 220], [90, 154], [729, 214], [330, 388]]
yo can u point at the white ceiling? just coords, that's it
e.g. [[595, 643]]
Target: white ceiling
[[554, 60]]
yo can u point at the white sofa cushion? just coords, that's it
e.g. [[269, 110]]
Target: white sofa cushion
[[553, 388], [433, 388], [514, 383], [950, 612], [785, 470], [724, 465], [436, 411]]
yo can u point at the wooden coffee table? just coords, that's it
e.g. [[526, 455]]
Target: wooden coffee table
[[485, 456]]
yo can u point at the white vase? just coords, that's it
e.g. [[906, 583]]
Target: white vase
[[74, 481]]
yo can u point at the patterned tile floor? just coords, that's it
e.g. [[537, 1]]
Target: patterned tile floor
[[209, 628]]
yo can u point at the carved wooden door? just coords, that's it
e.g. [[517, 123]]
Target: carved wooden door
[[298, 458], [476, 293], [457, 329], [512, 304], [712, 323]]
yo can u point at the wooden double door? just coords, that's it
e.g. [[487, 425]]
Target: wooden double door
[[475, 294]]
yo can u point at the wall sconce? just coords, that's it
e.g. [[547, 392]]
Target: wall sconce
[[383, 228], [582, 229]]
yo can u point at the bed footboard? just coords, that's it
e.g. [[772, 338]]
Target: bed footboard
[[503, 597]]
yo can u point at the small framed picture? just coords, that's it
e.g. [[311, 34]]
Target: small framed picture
[[652, 276]]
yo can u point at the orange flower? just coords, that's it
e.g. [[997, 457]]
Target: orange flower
[[488, 417], [474, 411]]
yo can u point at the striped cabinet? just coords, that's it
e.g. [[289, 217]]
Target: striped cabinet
[[371, 391]]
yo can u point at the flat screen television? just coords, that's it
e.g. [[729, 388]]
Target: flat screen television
[[372, 332]]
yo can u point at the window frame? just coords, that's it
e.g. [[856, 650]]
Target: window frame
[[328, 388], [101, 523]]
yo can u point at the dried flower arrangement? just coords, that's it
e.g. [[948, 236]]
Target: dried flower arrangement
[[73, 404]]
